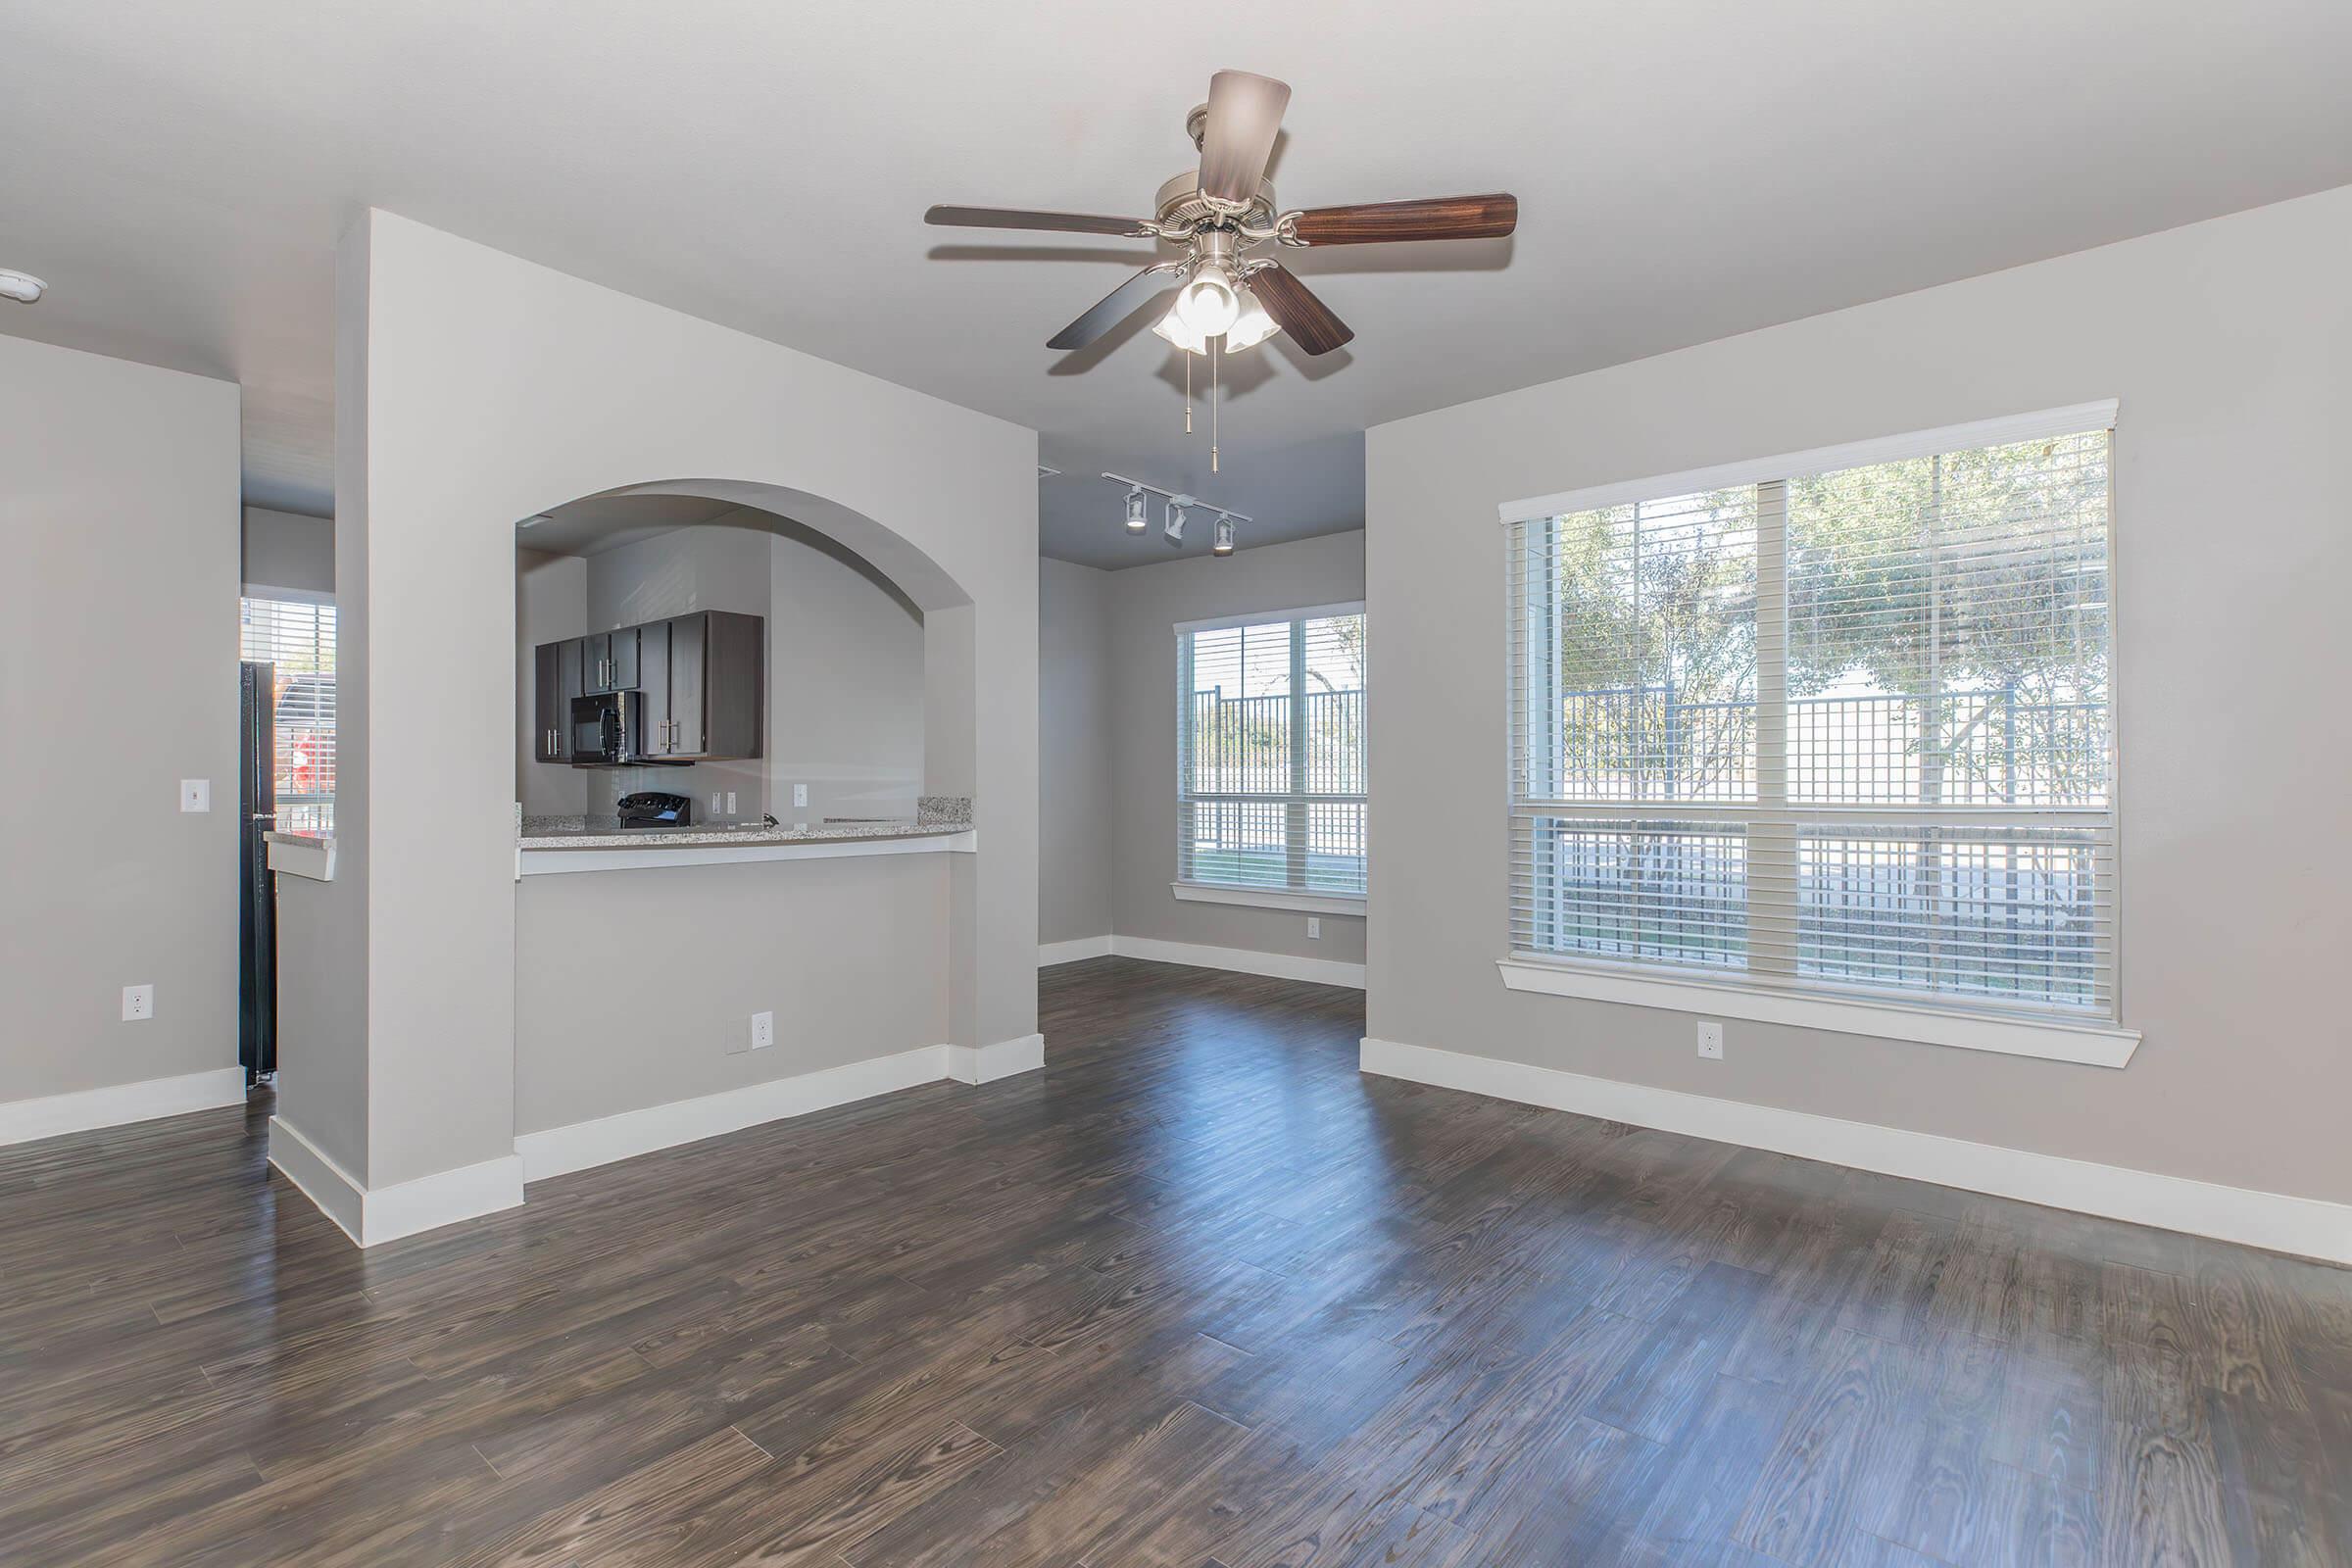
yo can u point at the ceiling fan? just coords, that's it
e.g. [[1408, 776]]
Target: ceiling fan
[[1219, 213]]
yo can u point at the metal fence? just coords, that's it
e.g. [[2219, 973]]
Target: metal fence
[[1244, 746], [1986, 748]]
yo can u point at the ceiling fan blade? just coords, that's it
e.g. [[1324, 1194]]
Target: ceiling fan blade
[[1296, 311], [1017, 218], [1440, 218], [1245, 111], [1114, 307]]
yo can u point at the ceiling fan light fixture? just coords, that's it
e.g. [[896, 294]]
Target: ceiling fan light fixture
[[1209, 303], [1136, 520], [1251, 328], [1176, 330]]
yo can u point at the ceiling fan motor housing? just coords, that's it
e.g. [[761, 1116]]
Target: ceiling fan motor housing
[[1180, 201]]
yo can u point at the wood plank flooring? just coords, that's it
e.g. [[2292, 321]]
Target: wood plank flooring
[[1197, 1295]]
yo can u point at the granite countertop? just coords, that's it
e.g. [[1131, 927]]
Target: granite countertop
[[936, 817], [602, 836]]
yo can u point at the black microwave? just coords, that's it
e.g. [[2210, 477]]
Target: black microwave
[[607, 730]]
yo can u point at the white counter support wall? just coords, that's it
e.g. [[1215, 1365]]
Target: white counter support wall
[[473, 389]]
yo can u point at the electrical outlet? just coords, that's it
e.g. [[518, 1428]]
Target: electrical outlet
[[1314, 928], [800, 796], [764, 1030], [195, 794], [1710, 1039], [138, 1003]]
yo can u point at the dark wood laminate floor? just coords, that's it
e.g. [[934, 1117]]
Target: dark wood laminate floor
[[1196, 1293]]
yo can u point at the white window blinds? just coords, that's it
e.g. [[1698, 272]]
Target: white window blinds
[[1841, 731], [1270, 753], [297, 639]]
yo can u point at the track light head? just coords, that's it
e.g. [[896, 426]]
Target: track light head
[[1221, 542], [1172, 529], [1136, 522]]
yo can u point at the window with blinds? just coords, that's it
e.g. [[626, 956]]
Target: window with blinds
[[297, 639], [1270, 753], [1845, 730]]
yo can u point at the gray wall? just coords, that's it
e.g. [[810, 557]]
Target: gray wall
[[475, 388], [551, 604], [288, 556], [1141, 614], [764, 937], [2228, 344], [1074, 744], [118, 519]]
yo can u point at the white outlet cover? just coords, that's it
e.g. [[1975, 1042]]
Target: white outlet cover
[[730, 803], [138, 1003], [799, 794], [195, 794], [764, 1030], [1710, 1039], [1314, 927]]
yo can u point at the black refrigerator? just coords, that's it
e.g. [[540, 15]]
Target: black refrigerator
[[257, 894]]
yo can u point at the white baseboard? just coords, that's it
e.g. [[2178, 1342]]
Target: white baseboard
[[985, 1064], [2309, 1227], [373, 1216], [558, 1150], [1240, 960], [1050, 953], [118, 1105]]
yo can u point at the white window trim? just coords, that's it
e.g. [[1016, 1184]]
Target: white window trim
[[2094, 1044], [2053, 1038], [2069, 420], [1268, 899], [1267, 618]]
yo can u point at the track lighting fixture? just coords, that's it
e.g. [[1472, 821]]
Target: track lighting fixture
[[1224, 533]]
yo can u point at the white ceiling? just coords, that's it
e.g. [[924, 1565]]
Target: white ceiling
[[1686, 170]]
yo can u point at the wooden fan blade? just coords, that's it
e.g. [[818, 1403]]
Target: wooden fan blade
[[1245, 113], [1296, 311], [1017, 218], [1440, 218], [1116, 307]]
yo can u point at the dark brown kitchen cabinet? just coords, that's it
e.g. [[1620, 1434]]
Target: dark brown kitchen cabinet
[[609, 659], [703, 679], [556, 681]]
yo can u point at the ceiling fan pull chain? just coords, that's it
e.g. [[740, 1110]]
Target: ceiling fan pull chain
[[1187, 393], [1212, 411]]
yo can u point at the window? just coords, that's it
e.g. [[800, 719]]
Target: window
[[1834, 727], [1270, 759], [297, 639]]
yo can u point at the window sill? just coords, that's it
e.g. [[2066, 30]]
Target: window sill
[[304, 854], [2052, 1040], [1269, 898]]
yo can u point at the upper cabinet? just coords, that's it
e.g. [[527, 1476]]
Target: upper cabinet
[[703, 678]]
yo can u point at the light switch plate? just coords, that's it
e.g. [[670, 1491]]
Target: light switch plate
[[195, 794], [138, 1003]]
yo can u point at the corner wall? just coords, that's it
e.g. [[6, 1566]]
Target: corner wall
[[119, 516], [2226, 343], [489, 388], [1074, 742]]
